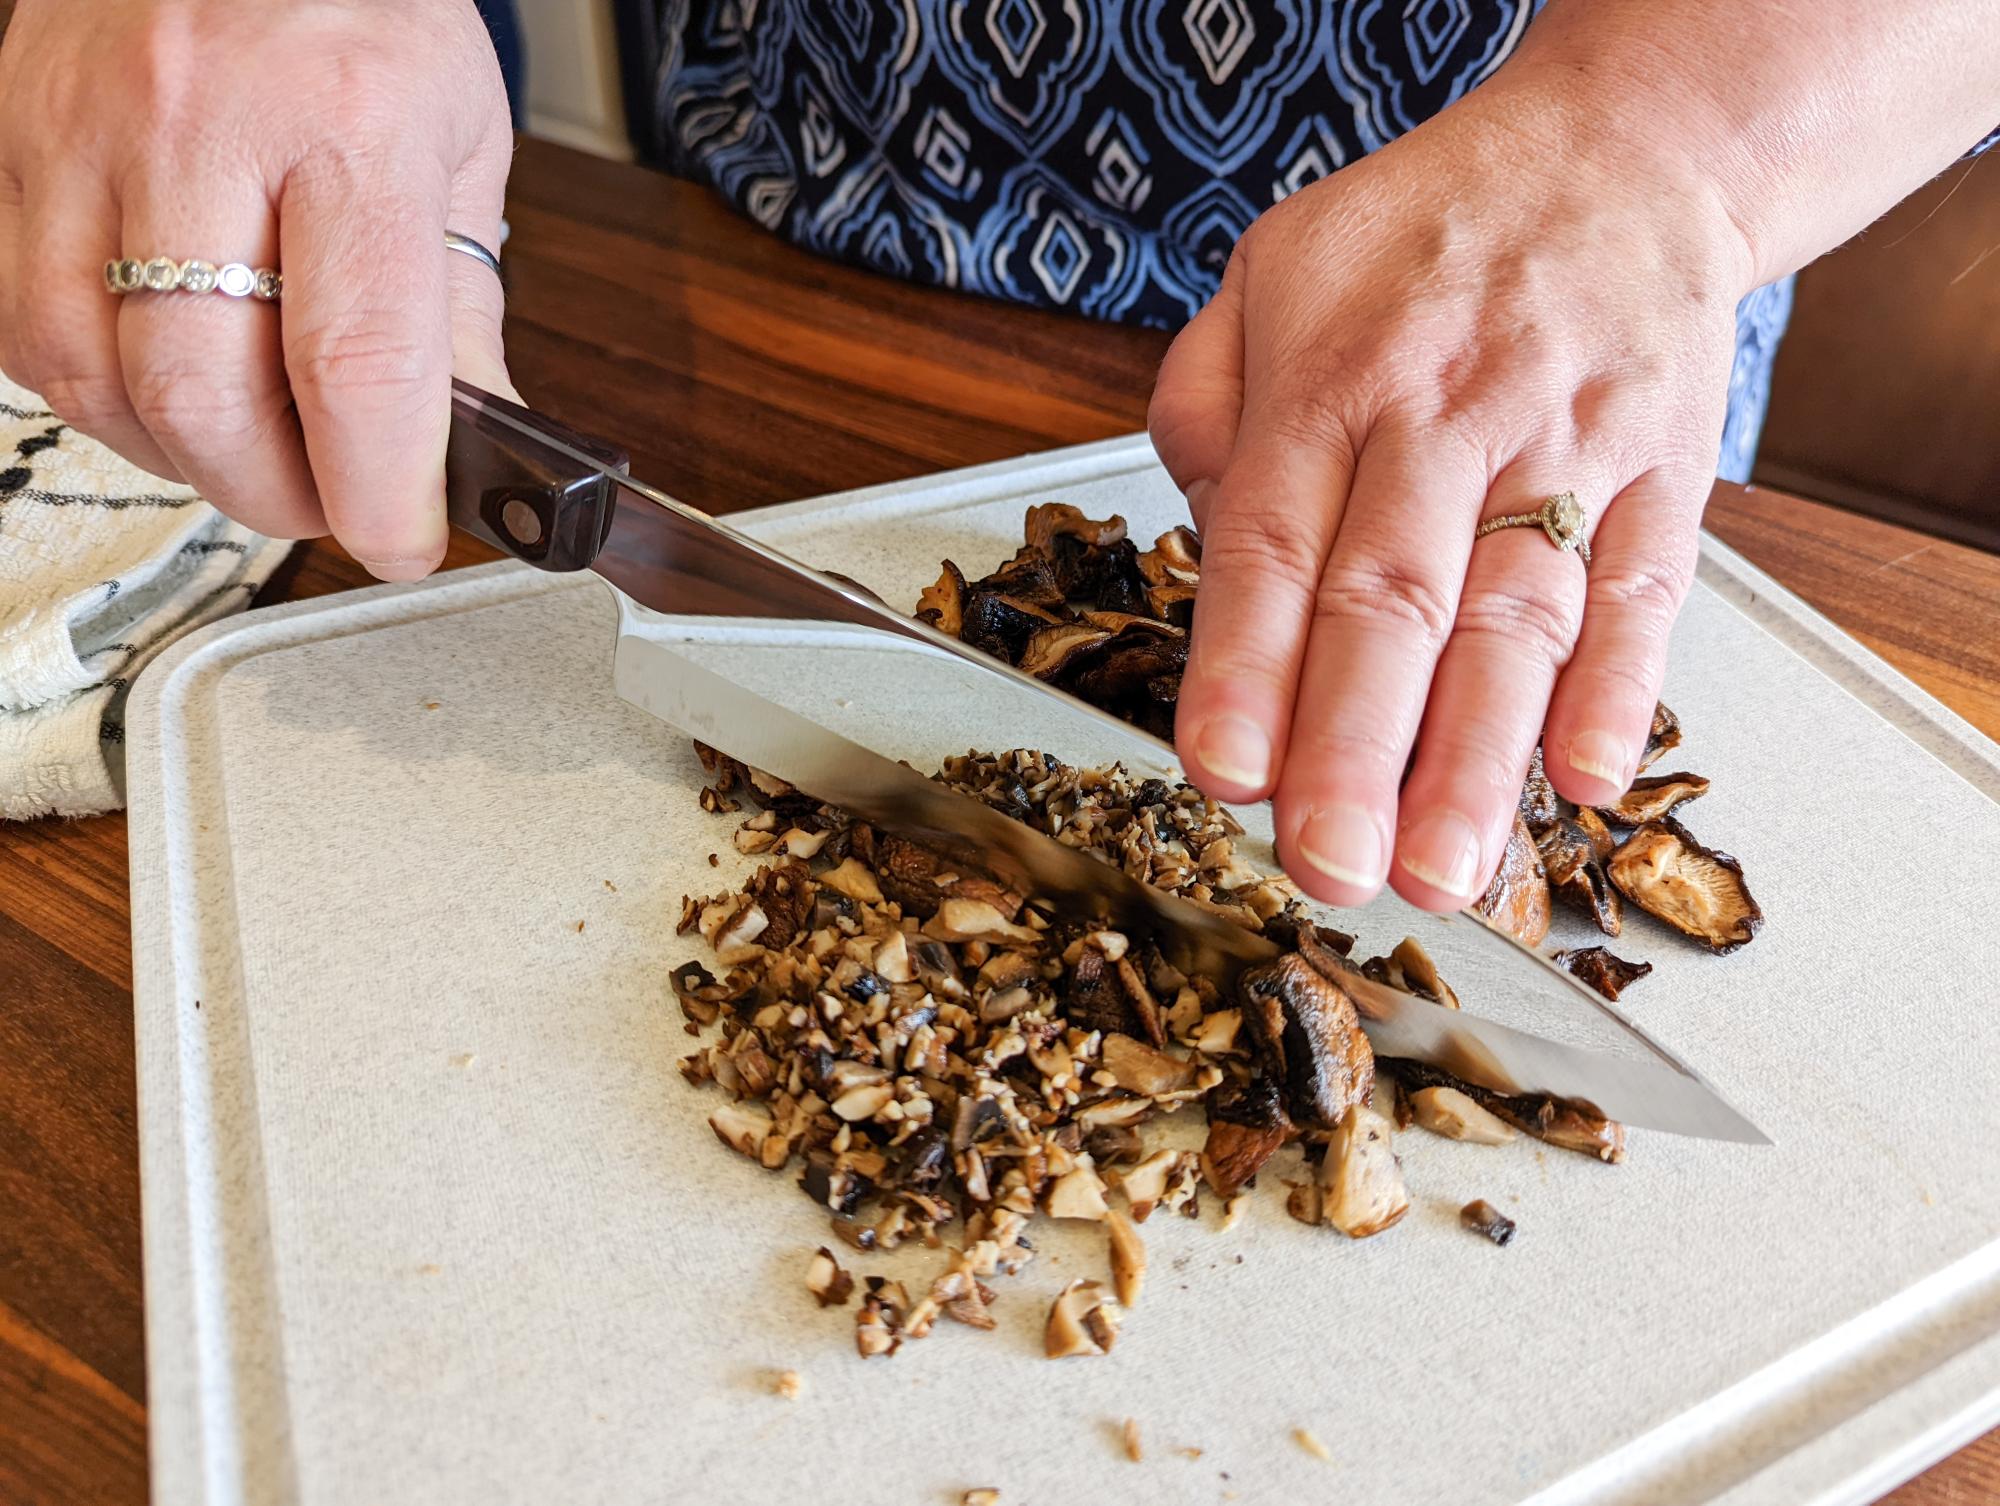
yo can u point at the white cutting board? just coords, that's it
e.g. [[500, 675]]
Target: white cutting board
[[430, 1215]]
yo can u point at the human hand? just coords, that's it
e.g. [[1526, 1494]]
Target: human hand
[[1493, 309], [336, 140]]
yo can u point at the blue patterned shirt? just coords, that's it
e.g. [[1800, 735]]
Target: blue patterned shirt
[[1100, 156]]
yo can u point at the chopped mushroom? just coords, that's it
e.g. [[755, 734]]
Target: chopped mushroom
[[1246, 1125], [830, 1285], [1128, 1258], [981, 1495], [1650, 799], [1450, 1113], [943, 605], [1481, 1217], [1361, 1185], [1308, 1440], [1080, 1322], [1078, 1193], [1599, 969], [1698, 891], [742, 1127], [1129, 1434], [1518, 897], [1540, 804], [976, 920], [1566, 1123], [1325, 1056], [1140, 1069]]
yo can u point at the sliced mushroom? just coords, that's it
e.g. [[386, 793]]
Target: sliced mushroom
[[1650, 799], [1030, 577], [1450, 1113], [1048, 521], [1576, 873], [1518, 897], [1598, 968], [1054, 651], [1246, 1125], [1128, 1258], [1138, 1068], [1080, 1322], [1326, 1058], [1665, 733], [1565, 1123], [1361, 1184], [1482, 1218], [1540, 804], [1135, 667], [1420, 974], [1698, 891], [943, 605], [1175, 556], [830, 1285], [1000, 624]]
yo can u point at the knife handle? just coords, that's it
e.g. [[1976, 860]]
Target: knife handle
[[527, 485]]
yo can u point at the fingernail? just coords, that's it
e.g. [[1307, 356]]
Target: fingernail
[[407, 567], [1343, 842], [1603, 755], [1235, 748], [1443, 851]]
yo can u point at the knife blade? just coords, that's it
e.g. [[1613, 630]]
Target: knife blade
[[563, 501]]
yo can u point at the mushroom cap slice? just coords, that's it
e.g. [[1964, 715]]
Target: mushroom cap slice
[[1598, 968], [1135, 666], [1651, 799], [1326, 1059], [1030, 576], [1698, 891], [1174, 557], [1053, 651], [943, 605], [1518, 897]]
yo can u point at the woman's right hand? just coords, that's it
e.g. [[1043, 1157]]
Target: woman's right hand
[[333, 139]]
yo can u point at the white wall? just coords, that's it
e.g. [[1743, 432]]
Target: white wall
[[573, 94]]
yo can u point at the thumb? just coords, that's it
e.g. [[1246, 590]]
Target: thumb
[[1198, 398]]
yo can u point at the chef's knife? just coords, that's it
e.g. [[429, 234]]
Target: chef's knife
[[563, 501]]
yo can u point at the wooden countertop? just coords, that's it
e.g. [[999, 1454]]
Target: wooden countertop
[[740, 372]]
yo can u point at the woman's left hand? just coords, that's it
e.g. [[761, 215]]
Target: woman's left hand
[[1493, 309]]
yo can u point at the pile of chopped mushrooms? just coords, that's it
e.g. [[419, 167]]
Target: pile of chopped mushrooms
[[944, 1060]]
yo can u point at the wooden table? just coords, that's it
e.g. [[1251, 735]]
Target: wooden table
[[740, 372]]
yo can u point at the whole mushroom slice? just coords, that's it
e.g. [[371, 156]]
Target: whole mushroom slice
[[1576, 873], [1598, 968], [1119, 623], [1246, 1126], [1665, 733], [1518, 897], [1029, 576], [1698, 891], [1054, 651], [1650, 799], [1327, 1061], [1135, 666], [943, 605]]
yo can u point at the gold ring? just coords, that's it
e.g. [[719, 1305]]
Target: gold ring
[[1560, 517]]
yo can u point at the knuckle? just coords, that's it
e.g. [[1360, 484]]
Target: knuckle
[[1528, 619], [83, 400], [198, 410], [1385, 591], [1256, 544], [368, 363], [1652, 591]]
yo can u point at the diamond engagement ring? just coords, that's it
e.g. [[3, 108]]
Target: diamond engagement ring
[[162, 274], [1560, 517]]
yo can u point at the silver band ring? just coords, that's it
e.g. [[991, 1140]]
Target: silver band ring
[[1560, 517], [467, 246], [162, 274]]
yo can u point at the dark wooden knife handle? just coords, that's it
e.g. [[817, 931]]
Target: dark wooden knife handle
[[526, 484]]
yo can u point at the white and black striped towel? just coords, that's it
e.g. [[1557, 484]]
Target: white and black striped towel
[[101, 567]]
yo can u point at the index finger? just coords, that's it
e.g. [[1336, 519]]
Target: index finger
[[368, 351]]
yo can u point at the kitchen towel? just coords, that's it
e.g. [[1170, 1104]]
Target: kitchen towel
[[101, 567]]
